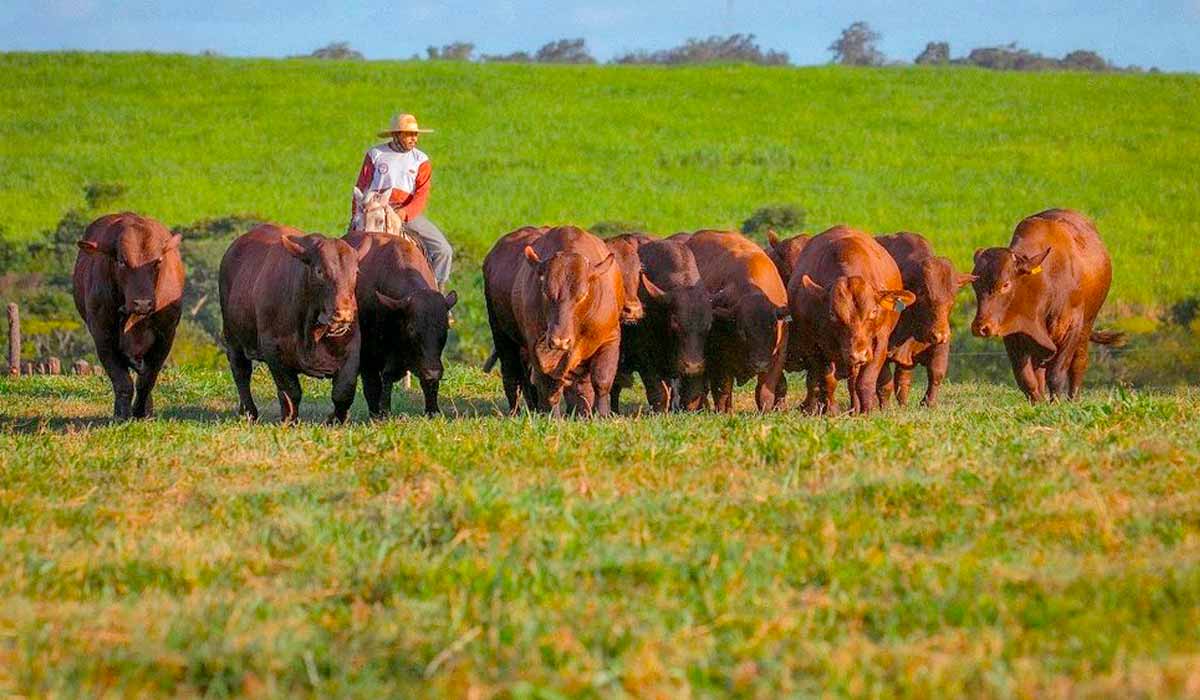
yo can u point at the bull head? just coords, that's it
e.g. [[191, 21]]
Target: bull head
[[331, 273], [137, 257], [1001, 276], [855, 314], [565, 282]]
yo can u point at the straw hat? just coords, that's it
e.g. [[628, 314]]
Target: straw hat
[[405, 123]]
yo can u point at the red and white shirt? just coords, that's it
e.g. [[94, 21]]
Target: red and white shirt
[[404, 175]]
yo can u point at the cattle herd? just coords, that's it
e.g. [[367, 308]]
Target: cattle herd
[[573, 317]]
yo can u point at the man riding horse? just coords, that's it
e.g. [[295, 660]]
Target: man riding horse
[[401, 172]]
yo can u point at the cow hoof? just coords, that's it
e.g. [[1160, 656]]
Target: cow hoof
[[335, 419]]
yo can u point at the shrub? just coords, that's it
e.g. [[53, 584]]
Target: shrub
[[564, 51], [337, 51], [936, 53], [608, 229], [856, 46], [732, 48], [781, 217], [102, 195], [458, 51]]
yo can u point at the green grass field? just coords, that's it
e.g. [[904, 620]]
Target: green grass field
[[985, 548], [960, 155]]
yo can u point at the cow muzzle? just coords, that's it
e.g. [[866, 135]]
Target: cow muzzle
[[140, 307], [691, 368], [558, 342], [632, 312], [982, 329]]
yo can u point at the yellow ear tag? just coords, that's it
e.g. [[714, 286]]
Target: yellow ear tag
[[898, 305], [1036, 270]]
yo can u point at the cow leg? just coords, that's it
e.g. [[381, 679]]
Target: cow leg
[[143, 402], [241, 368], [385, 396], [813, 378], [623, 380], [886, 385], [287, 386], [372, 391], [781, 392], [768, 382], [514, 374], [904, 377], [1022, 367], [1079, 365], [721, 385], [692, 393], [122, 384], [868, 379], [828, 375], [658, 392], [603, 372], [936, 369], [429, 387], [345, 383]]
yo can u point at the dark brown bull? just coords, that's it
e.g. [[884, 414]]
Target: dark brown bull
[[500, 269], [128, 283], [287, 299], [625, 252], [750, 319], [843, 294], [922, 337], [668, 344], [784, 252], [1042, 294], [567, 300], [402, 317]]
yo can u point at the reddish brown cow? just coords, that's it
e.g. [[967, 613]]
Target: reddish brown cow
[[844, 292], [567, 300], [625, 251], [784, 252], [1042, 294], [403, 318], [668, 344], [287, 299], [128, 283], [922, 337], [749, 334], [500, 269]]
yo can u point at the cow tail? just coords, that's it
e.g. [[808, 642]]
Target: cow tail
[[491, 362], [1108, 338]]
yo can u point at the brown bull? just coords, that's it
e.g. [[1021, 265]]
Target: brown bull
[[500, 269], [567, 299], [922, 337], [668, 344], [843, 293], [625, 252], [402, 317], [287, 299], [128, 285], [1042, 294], [785, 251], [749, 333]]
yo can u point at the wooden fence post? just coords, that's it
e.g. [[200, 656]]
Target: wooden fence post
[[14, 340]]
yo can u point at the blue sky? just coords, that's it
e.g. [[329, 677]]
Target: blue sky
[[1161, 33]]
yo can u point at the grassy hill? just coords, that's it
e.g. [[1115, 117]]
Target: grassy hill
[[1041, 551], [960, 155]]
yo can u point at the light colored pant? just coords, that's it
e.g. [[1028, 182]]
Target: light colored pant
[[437, 248]]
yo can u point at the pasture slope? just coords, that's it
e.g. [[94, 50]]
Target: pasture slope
[[960, 155], [1042, 551]]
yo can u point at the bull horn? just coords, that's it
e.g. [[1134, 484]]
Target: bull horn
[[130, 322]]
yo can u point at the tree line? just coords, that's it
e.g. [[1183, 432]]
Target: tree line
[[858, 45]]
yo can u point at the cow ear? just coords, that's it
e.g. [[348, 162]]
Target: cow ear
[[93, 247], [364, 247], [723, 306], [601, 267], [895, 299], [392, 303], [1031, 265], [964, 280], [451, 299], [812, 287], [532, 256], [173, 243], [656, 292], [297, 250], [978, 252], [772, 238]]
